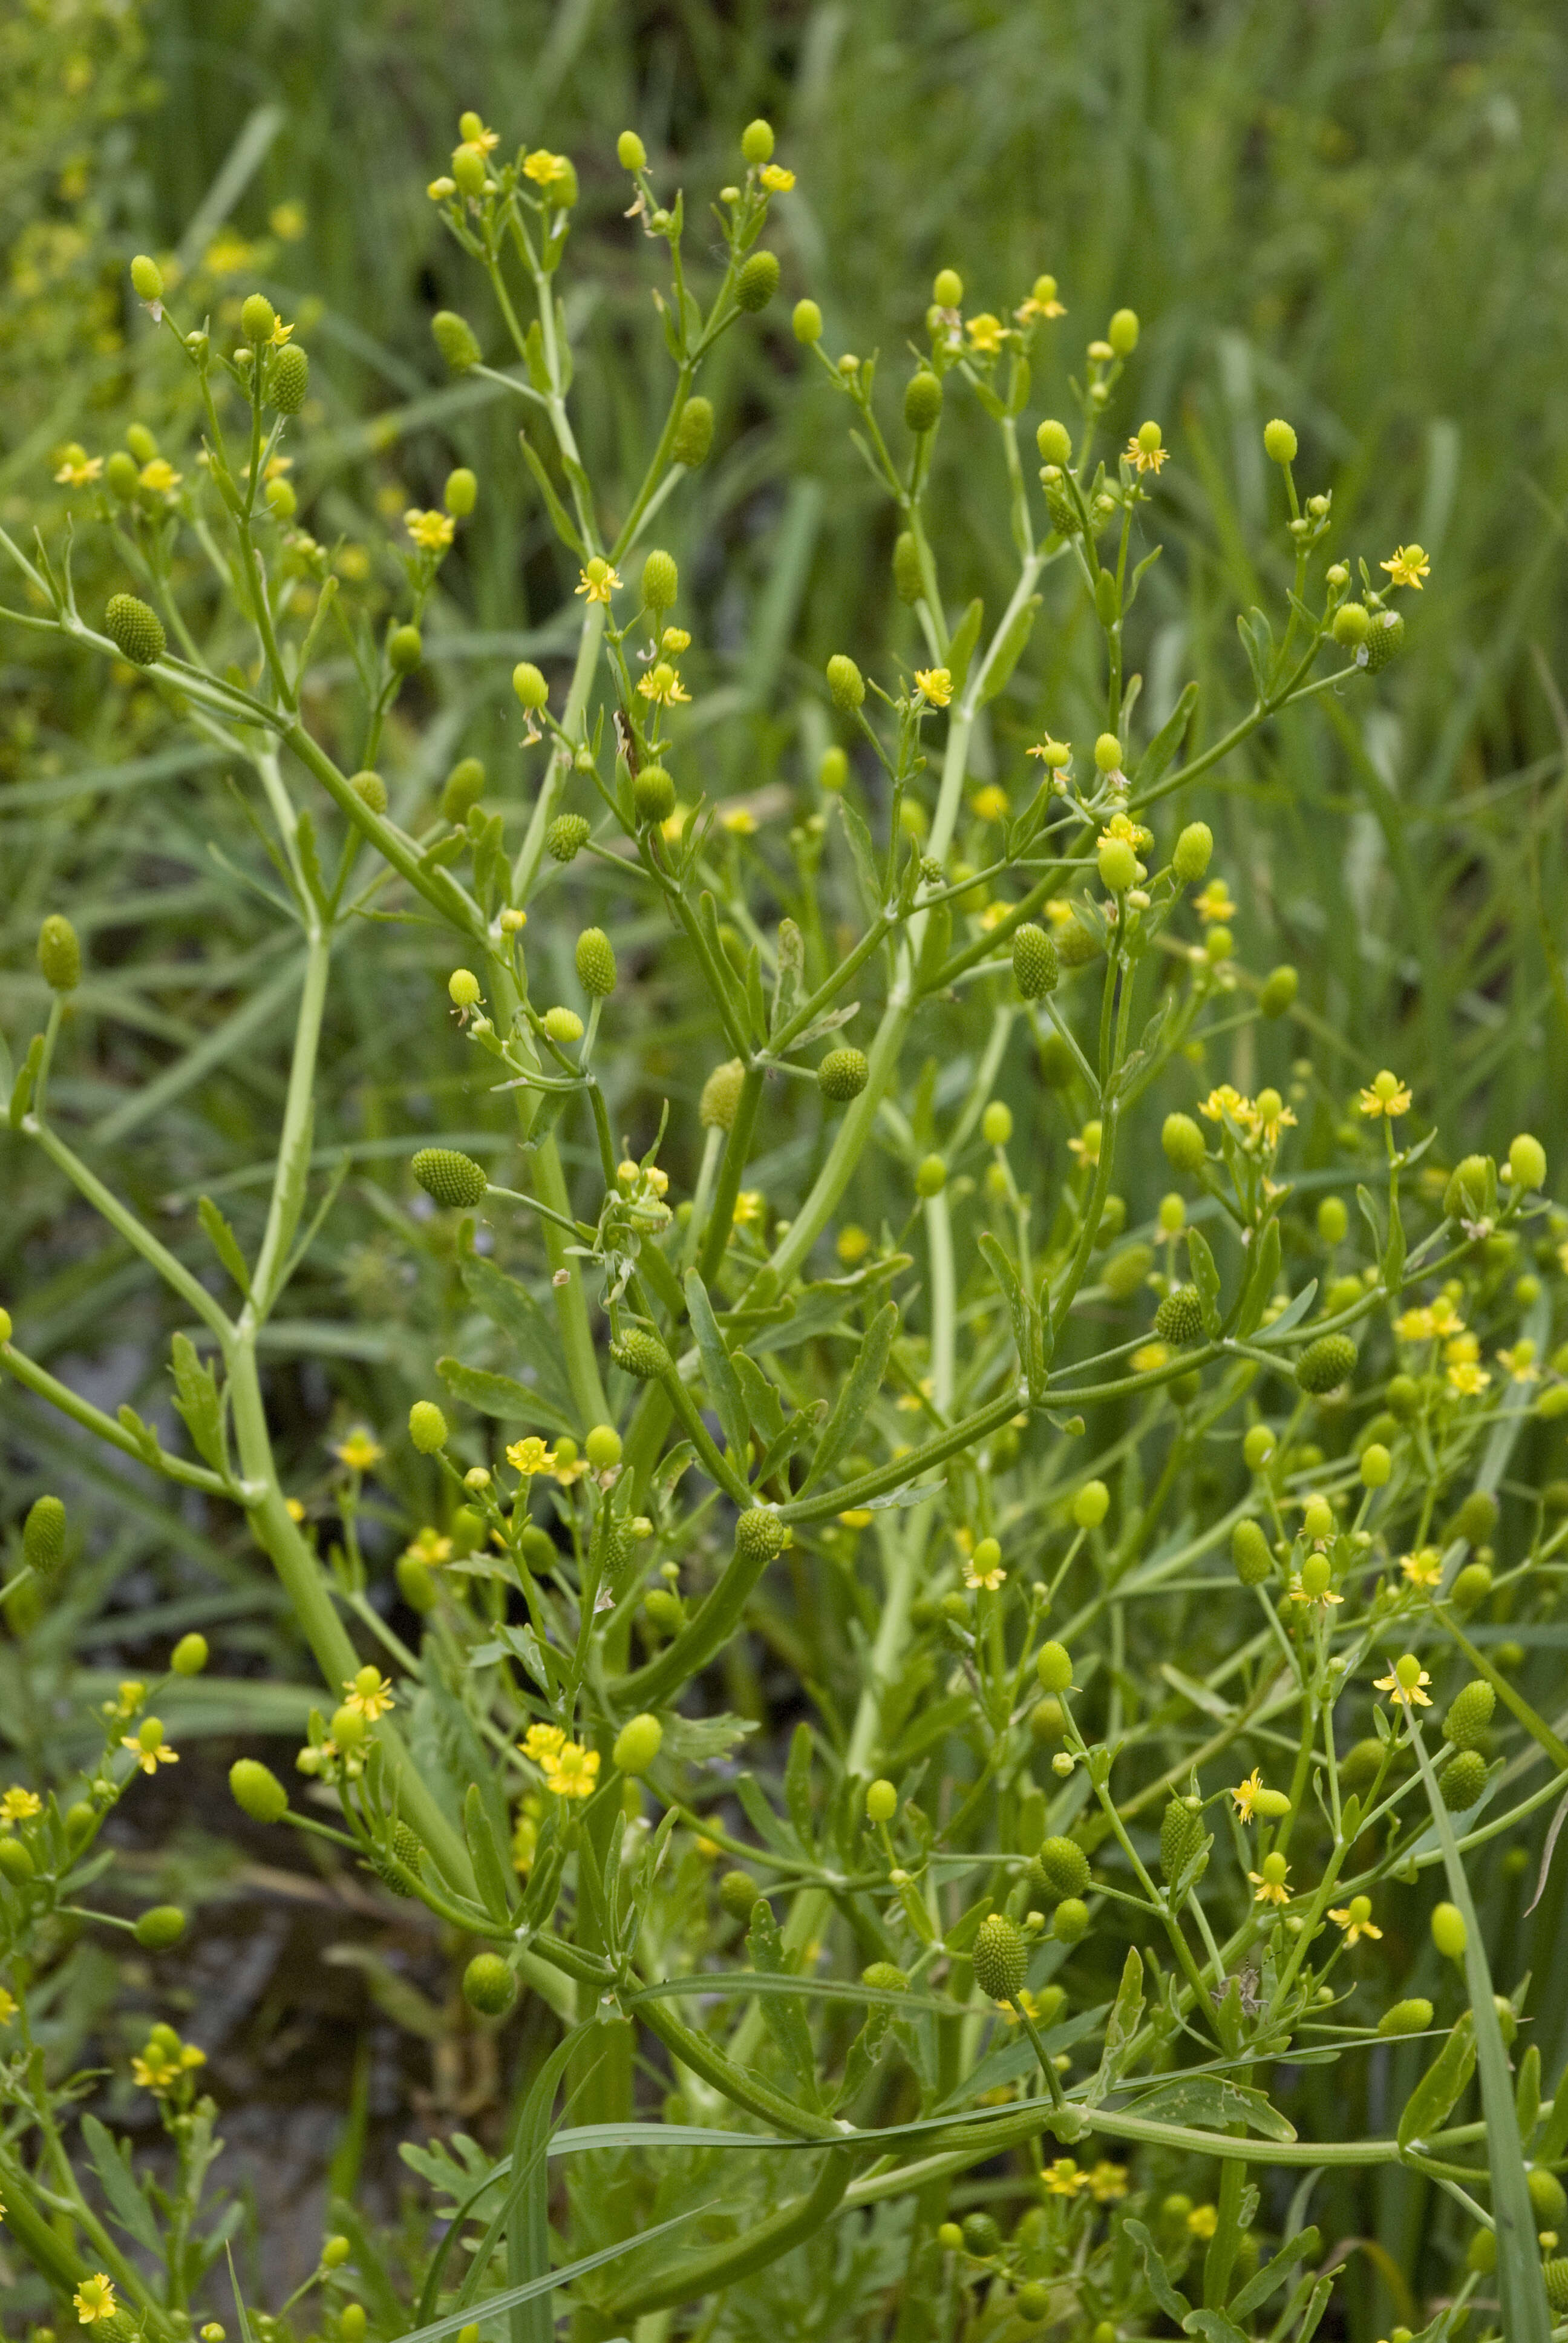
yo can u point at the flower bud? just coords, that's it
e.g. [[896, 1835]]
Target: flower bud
[[630, 153], [415, 1585], [1107, 748], [883, 1976], [451, 1178], [1035, 965], [947, 288], [134, 630], [846, 684], [661, 580], [996, 1124], [1054, 1668], [122, 475], [289, 380], [843, 1075], [758, 282], [1193, 847], [1548, 2197], [160, 1927], [147, 279], [1317, 1519], [922, 401], [1527, 1163], [1122, 332], [1184, 1145], [757, 141], [257, 319], [998, 1957], [881, 1801], [1279, 991], [908, 582], [1472, 1586], [1091, 1504], [405, 650], [1250, 1556], [461, 493], [1279, 442], [1351, 624], [468, 169], [1118, 865], [563, 1025], [456, 340], [426, 1427], [602, 1447], [637, 1744], [1412, 2017], [189, 1655], [1448, 1933], [489, 1985], [464, 788], [693, 434], [807, 322], [1326, 1363], [257, 1791], [59, 953], [462, 988], [931, 1176], [653, 794], [738, 1894], [1070, 1920]]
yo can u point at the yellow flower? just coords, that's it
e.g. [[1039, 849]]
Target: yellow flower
[[661, 684], [986, 333], [1270, 1891], [992, 916], [1064, 2178], [1519, 1363], [227, 254], [530, 1456], [1214, 904], [544, 168], [1145, 459], [854, 1243], [1467, 1379], [988, 1579], [1462, 1350], [294, 1509], [935, 684], [856, 1518], [430, 530], [572, 1772], [1085, 1148], [487, 141], [359, 1451], [1268, 1127], [1423, 1568], [8, 2006], [94, 2298], [281, 333], [750, 1205], [777, 179], [1122, 825], [598, 580], [740, 822], [1299, 1593], [989, 804], [1054, 752], [78, 468], [368, 1694], [1149, 1357], [526, 1835], [1245, 1793], [544, 1742], [1407, 1694], [674, 641], [1385, 1095], [1226, 1100], [18, 1806], [1414, 1326], [440, 189], [132, 1695], [1355, 1920], [1445, 1318], [1409, 566], [1108, 2182], [149, 1759], [1203, 2220], [1029, 309], [160, 477], [430, 1546]]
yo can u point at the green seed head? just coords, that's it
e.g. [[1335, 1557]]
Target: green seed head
[[1181, 1835], [947, 288], [488, 1985], [1279, 442], [1526, 1163], [147, 279], [1186, 1148], [1448, 1933], [1054, 1668], [1060, 1869], [759, 1534], [426, 1427], [1555, 2274], [1279, 991], [693, 434], [1118, 866], [1412, 2017], [1054, 442], [189, 1655], [843, 1075], [637, 1744], [1249, 1553], [630, 153], [456, 340], [1193, 849], [595, 963], [908, 582], [370, 789], [881, 1801], [1046, 1724], [738, 1894], [1122, 332], [720, 1098], [931, 1176], [567, 836], [257, 319], [160, 1927], [452, 1178], [136, 631], [639, 1354], [807, 323], [1091, 1504], [461, 493], [1548, 2197], [1035, 968], [1385, 639], [758, 282], [757, 141], [257, 1791], [661, 580], [405, 650], [1070, 1920], [1463, 1779], [884, 1977], [44, 1535], [1180, 1317], [653, 794], [846, 684], [1476, 1518], [602, 1447], [289, 380], [999, 1958], [465, 786], [922, 401], [1351, 625], [1326, 1363], [529, 686], [1470, 1713], [1472, 1586]]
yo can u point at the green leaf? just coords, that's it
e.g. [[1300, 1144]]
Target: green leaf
[[566, 527], [1006, 655], [491, 2304], [1301, 2247], [1428, 2105], [1260, 1278], [1122, 2027], [857, 1394], [1209, 2103], [502, 1396], [127, 2205], [1206, 1278], [532, 1333], [864, 858], [1171, 2302], [961, 644], [197, 1402], [703, 1740], [1162, 749], [26, 1075], [719, 1371], [790, 974], [784, 2018], [224, 1242]]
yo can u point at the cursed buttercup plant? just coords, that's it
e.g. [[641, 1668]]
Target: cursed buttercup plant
[[1126, 1554]]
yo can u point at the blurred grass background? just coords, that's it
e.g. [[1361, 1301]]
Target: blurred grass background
[[1350, 214]]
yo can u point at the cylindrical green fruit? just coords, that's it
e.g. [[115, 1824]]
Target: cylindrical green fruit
[[163, 1926], [1061, 1868], [1470, 1713], [922, 400], [489, 1985], [843, 1075], [999, 1958], [1180, 1835], [693, 434], [653, 794], [758, 282], [1186, 1149], [1463, 1780], [450, 1177], [595, 963], [289, 383], [1249, 1553], [59, 953], [1412, 2017], [640, 1354], [44, 1535], [1035, 966], [135, 628], [1326, 1363], [1180, 1317]]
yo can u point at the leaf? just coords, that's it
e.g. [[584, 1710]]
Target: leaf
[[1026, 1320], [859, 1389], [790, 973], [492, 2304], [1163, 749], [1428, 2105], [126, 2204], [1214, 2324], [1171, 2302], [785, 2019], [501, 1396], [723, 1383], [763, 1404], [1206, 1278], [566, 527], [533, 1336], [702, 1740], [863, 855], [1260, 1278], [961, 644], [1394, 1256], [1005, 655], [224, 1242], [520, 1643], [1301, 2247], [1209, 2103], [26, 1075], [1122, 2027], [1258, 642], [1291, 1315], [197, 1402]]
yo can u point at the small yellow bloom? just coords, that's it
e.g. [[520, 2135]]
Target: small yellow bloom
[[1085, 1148], [1029, 309], [1406, 1694], [1203, 2220], [1298, 1592], [368, 1694], [989, 804], [1245, 1794], [294, 1509], [1270, 1891], [430, 1546], [856, 1518], [673, 641], [544, 169], [8, 2006], [1145, 459], [78, 470], [1063, 2179], [1214, 906], [598, 581], [1226, 1100], [432, 531], [1462, 1350], [777, 179], [1149, 1357], [853, 1245], [1385, 1095], [1423, 1568], [160, 477], [1054, 753], [544, 1742], [280, 333], [1467, 1379], [740, 822], [1414, 1326], [149, 1759], [359, 1451], [572, 1772], [935, 684], [1519, 1363], [1355, 1920], [486, 140], [1409, 567], [1445, 1318], [440, 189], [750, 1208], [530, 1456], [94, 2298], [988, 1579], [986, 334], [662, 683], [1108, 2182], [17, 1806]]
